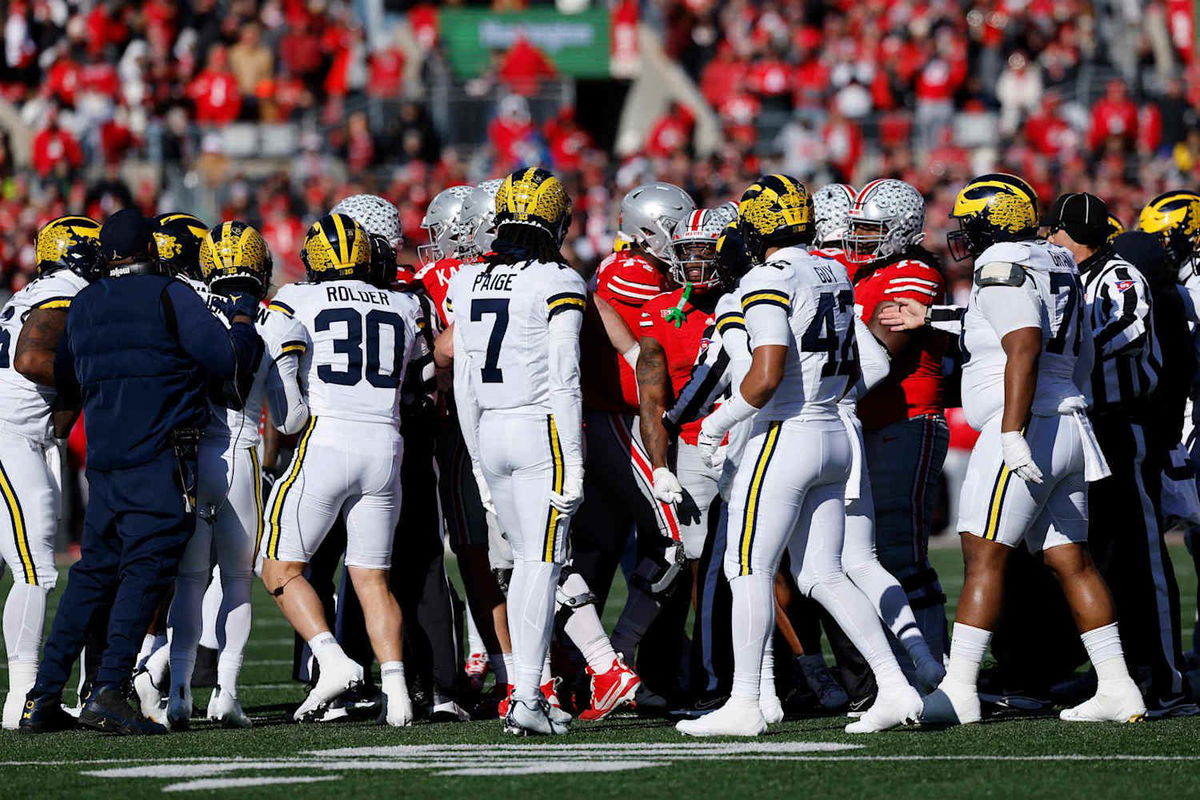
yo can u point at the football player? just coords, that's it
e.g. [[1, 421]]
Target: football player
[[347, 461], [904, 430], [831, 218], [234, 260], [31, 324], [798, 312], [1024, 385], [441, 225], [177, 237], [516, 375]]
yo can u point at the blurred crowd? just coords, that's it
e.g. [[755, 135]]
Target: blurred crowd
[[1072, 94]]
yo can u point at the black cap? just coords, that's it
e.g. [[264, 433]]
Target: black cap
[[1083, 216], [125, 236]]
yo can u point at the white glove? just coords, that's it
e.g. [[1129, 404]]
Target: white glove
[[569, 500], [708, 444], [485, 494], [666, 486], [1018, 457]]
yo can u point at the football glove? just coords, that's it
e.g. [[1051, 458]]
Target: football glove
[[666, 486], [241, 304], [708, 444], [485, 494], [567, 502], [1018, 457]]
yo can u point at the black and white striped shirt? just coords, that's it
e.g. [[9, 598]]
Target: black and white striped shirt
[[1128, 358]]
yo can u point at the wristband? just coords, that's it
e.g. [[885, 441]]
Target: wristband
[[730, 413]]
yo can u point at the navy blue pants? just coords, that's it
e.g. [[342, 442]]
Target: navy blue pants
[[134, 532]]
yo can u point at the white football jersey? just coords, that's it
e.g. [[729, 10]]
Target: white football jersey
[[1049, 294], [281, 336], [362, 341], [25, 406], [817, 327], [503, 316]]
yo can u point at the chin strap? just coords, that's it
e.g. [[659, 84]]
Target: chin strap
[[676, 315]]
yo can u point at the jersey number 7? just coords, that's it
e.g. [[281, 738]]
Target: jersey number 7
[[499, 307]]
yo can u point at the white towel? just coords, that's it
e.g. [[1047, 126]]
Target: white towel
[[1095, 466], [854, 431]]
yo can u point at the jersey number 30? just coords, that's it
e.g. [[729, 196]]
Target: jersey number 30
[[380, 354]]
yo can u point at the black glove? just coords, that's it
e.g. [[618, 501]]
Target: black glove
[[241, 304]]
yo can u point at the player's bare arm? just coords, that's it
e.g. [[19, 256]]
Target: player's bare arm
[[897, 341], [654, 393], [34, 353], [1022, 348], [443, 348], [622, 339], [766, 373]]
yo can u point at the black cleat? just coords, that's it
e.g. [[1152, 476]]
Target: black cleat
[[45, 714], [108, 711]]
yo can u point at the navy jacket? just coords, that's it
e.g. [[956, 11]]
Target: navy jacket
[[140, 353]]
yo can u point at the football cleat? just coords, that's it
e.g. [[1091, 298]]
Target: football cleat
[[150, 697], [108, 711], [952, 703], [1121, 702], [611, 690], [821, 682], [476, 669], [335, 681], [45, 714], [397, 709], [224, 708], [505, 702], [448, 711], [738, 717], [891, 709], [533, 718], [771, 708], [1178, 706], [179, 709], [550, 692]]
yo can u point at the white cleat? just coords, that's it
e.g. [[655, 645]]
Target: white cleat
[[397, 709], [532, 718], [150, 698], [335, 681], [952, 703], [735, 718], [930, 675], [822, 683], [179, 709], [224, 708], [771, 708], [901, 706], [1121, 702]]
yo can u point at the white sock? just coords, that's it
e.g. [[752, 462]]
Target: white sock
[[499, 666], [326, 650], [233, 628], [547, 675], [753, 619], [583, 626], [474, 640], [967, 646], [859, 620], [24, 621], [530, 621], [21, 676], [157, 663], [391, 676], [1103, 647], [210, 610], [766, 681], [184, 621], [510, 668]]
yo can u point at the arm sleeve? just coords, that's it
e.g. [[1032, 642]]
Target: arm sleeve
[[227, 355], [289, 409], [566, 401], [947, 319], [872, 356], [464, 399], [1009, 308], [1120, 313]]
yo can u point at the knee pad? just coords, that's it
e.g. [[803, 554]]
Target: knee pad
[[657, 575], [573, 591]]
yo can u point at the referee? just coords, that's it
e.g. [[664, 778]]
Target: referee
[[1125, 533], [142, 354]]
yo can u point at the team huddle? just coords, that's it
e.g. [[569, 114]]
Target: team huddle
[[742, 410]]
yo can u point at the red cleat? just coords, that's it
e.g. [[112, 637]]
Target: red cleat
[[502, 706], [476, 669], [611, 690]]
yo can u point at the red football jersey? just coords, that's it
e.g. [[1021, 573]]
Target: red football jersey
[[626, 281], [682, 345], [436, 280], [914, 385]]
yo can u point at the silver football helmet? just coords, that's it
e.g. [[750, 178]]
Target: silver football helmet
[[478, 218], [376, 215], [650, 213], [831, 214], [887, 218], [694, 245], [440, 223]]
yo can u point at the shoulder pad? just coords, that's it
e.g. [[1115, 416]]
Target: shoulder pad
[[999, 273], [1013, 252]]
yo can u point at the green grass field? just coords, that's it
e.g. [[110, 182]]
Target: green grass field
[[626, 756]]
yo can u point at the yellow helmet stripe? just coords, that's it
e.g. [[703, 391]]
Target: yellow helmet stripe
[[343, 250]]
